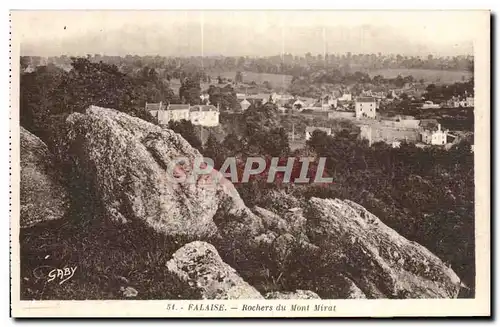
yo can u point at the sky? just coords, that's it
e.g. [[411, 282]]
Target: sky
[[245, 33]]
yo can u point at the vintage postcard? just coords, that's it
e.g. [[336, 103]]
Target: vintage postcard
[[250, 163]]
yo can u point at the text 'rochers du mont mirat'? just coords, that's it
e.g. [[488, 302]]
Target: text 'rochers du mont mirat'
[[220, 307]]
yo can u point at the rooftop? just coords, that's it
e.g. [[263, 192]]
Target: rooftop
[[153, 106], [178, 107], [365, 99], [203, 108], [429, 124]]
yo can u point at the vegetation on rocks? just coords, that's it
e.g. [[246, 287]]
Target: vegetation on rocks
[[126, 219]]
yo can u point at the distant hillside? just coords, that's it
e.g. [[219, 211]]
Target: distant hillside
[[429, 75], [276, 80]]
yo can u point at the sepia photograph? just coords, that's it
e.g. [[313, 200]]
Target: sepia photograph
[[250, 163]]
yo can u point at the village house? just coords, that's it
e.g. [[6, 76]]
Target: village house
[[329, 102], [241, 96], [311, 129], [346, 97], [204, 115], [430, 105], [431, 132], [366, 107]]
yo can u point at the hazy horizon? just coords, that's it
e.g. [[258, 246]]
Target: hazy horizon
[[245, 33]]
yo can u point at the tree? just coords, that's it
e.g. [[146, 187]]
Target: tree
[[232, 144], [214, 151], [24, 62], [98, 84], [190, 91], [38, 99], [225, 97]]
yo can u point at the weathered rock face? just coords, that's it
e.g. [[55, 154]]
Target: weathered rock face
[[42, 195], [200, 266], [131, 166], [299, 294], [334, 248], [381, 262]]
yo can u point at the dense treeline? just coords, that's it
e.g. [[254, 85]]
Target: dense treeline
[[279, 64], [315, 84], [445, 92]]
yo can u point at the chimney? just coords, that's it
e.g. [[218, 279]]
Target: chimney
[[439, 127]]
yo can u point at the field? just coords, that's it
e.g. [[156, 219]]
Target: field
[[429, 75], [276, 80]]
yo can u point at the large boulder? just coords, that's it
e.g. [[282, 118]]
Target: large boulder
[[42, 194], [376, 258], [129, 164], [199, 265]]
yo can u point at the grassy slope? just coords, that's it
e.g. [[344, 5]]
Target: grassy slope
[[103, 253]]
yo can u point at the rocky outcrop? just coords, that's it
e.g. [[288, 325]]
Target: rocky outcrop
[[42, 195], [297, 295], [335, 248], [199, 265], [271, 220], [131, 166], [377, 259]]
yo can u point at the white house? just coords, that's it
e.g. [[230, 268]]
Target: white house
[[430, 105], [431, 132], [346, 97], [311, 129], [175, 112], [366, 107], [241, 96], [204, 115]]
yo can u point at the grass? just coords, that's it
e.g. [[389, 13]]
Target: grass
[[107, 257]]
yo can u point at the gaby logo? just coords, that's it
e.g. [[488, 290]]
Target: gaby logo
[[298, 170]]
